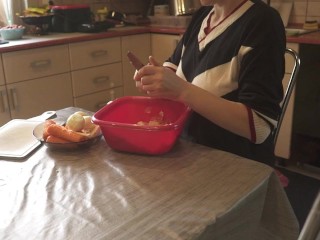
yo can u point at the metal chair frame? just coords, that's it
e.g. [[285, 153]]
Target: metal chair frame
[[288, 91]]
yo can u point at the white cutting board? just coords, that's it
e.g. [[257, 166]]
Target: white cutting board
[[16, 138], [284, 8]]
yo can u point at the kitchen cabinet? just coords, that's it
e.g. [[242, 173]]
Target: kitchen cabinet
[[42, 81], [96, 71], [32, 97], [4, 105], [140, 45], [35, 63], [283, 144], [163, 45]]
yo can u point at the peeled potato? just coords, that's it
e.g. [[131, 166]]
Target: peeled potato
[[75, 122], [81, 113]]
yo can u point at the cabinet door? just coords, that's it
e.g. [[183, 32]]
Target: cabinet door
[[93, 102], [4, 106], [163, 45], [283, 144], [2, 82], [140, 46], [35, 63], [31, 98], [94, 53]]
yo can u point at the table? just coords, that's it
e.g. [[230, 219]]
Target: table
[[192, 192]]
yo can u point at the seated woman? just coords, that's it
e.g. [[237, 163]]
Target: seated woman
[[228, 67]]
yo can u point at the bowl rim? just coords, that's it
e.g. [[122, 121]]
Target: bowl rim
[[169, 126]]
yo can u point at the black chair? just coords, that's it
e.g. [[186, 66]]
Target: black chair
[[288, 91]]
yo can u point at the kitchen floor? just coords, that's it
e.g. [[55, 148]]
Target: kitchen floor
[[305, 156], [303, 172]]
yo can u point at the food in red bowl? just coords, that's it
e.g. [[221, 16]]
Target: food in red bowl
[[142, 125]]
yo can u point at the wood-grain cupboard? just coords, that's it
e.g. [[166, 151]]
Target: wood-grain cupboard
[[36, 81]]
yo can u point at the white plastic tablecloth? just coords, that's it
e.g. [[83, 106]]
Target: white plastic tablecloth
[[192, 192]]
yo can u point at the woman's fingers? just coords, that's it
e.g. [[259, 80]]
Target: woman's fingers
[[153, 61]]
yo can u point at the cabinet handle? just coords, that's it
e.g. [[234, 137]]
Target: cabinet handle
[[99, 53], [41, 63], [101, 79], [14, 99], [4, 102]]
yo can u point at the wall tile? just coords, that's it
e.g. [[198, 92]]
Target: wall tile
[[302, 9]]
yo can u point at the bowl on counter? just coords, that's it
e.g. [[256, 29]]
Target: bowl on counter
[[12, 32], [41, 22], [143, 125]]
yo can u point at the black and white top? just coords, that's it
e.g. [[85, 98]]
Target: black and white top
[[241, 59]]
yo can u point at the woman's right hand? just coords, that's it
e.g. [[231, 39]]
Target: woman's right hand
[[158, 81]]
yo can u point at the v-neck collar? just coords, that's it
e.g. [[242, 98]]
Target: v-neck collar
[[204, 38]]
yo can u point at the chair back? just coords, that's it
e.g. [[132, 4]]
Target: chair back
[[288, 90]]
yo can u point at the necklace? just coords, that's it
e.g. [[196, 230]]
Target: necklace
[[208, 29]]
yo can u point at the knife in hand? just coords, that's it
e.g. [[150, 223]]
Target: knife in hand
[[135, 62]]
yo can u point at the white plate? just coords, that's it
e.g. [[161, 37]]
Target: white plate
[[38, 133]]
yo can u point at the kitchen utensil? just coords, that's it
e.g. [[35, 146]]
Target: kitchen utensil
[[38, 133], [16, 138], [134, 61], [67, 18], [42, 23], [120, 124]]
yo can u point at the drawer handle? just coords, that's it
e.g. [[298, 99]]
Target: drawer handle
[[14, 98], [4, 103], [101, 79], [41, 63], [99, 53]]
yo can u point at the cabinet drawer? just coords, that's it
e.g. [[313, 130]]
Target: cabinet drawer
[[32, 97], [289, 59], [93, 102], [1, 73], [96, 79], [35, 63], [94, 53]]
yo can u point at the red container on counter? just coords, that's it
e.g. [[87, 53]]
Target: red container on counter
[[68, 18], [142, 124]]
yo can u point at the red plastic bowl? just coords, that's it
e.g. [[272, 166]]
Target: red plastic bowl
[[119, 120]]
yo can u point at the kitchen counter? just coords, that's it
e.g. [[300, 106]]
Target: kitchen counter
[[33, 41], [308, 38], [191, 192], [51, 39]]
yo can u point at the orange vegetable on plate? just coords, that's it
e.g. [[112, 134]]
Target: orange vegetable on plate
[[53, 139], [64, 133], [47, 123]]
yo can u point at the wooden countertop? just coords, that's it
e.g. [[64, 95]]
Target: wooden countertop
[[51, 39]]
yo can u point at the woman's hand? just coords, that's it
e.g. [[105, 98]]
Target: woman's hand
[[159, 81]]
